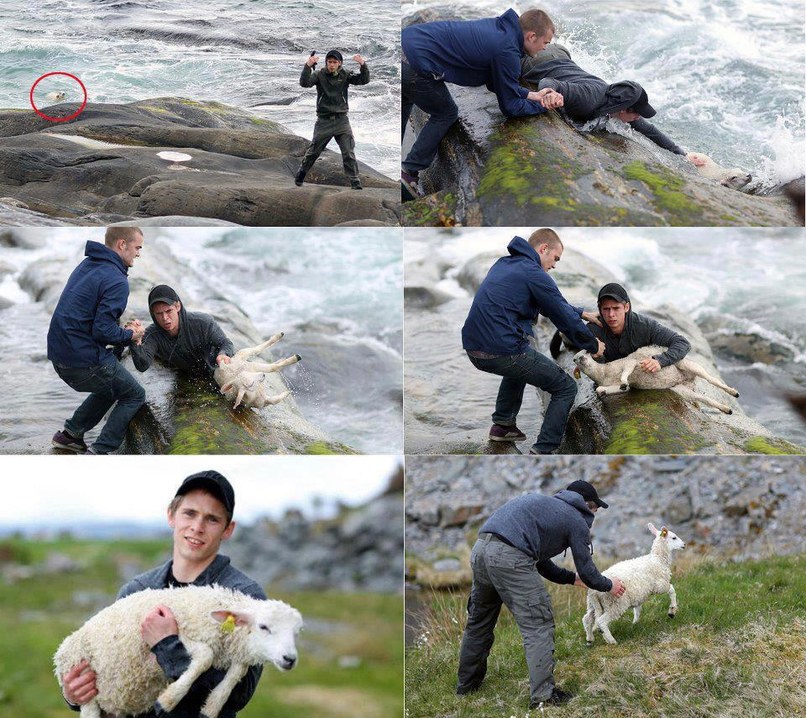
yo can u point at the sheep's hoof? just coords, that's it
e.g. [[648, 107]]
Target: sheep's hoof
[[625, 387], [671, 615], [589, 644], [729, 411], [159, 710]]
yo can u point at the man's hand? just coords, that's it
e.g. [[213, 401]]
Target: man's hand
[[360, 60], [550, 99], [592, 317], [78, 684], [617, 588], [138, 330], [222, 359], [578, 581], [650, 365], [312, 60], [158, 624], [601, 349]]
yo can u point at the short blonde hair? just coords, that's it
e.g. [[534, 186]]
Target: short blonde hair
[[127, 234], [545, 236], [536, 21]]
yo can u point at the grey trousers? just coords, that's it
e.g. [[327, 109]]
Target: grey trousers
[[327, 127], [503, 574]]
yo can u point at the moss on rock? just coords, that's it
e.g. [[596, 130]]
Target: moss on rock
[[768, 445], [666, 188]]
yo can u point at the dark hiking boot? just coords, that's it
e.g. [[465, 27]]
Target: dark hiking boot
[[299, 178], [356, 184], [68, 442], [506, 433], [557, 698], [411, 185], [464, 690]]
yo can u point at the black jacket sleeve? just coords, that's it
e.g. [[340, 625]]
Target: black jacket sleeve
[[143, 355], [359, 78], [552, 572], [219, 341], [678, 345], [648, 130], [308, 78]]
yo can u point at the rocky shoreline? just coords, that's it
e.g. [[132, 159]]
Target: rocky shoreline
[[103, 168]]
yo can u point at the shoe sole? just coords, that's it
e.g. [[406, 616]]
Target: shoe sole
[[514, 440], [74, 449], [406, 191]]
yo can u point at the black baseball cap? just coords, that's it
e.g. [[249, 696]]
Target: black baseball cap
[[213, 482], [586, 490], [613, 291], [162, 293], [642, 106], [337, 55]]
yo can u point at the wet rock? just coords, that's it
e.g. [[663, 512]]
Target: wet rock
[[242, 168], [21, 237]]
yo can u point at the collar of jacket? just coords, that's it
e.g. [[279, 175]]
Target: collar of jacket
[[102, 253], [572, 498], [206, 577]]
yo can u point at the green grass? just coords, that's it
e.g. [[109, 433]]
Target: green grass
[[351, 653], [735, 649]]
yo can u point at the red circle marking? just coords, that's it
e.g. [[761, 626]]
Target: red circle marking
[[58, 119]]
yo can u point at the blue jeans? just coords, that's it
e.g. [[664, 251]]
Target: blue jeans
[[109, 383], [533, 368], [433, 98]]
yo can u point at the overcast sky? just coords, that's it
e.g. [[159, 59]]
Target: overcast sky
[[68, 490]]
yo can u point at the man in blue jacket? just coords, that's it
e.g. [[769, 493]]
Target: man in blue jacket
[[498, 328], [515, 547], [83, 328], [469, 53], [200, 516]]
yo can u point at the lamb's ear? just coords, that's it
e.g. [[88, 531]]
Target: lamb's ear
[[652, 529], [664, 532], [230, 618]]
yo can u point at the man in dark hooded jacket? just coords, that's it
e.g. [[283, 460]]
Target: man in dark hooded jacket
[[514, 548], [84, 335], [587, 97], [189, 341], [498, 328], [331, 112]]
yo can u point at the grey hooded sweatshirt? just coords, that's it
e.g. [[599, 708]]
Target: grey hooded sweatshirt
[[543, 527], [193, 350]]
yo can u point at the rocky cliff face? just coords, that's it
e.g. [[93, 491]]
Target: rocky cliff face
[[448, 401], [742, 507], [103, 167], [493, 171]]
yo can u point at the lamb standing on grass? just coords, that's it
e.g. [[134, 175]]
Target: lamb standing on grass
[[241, 381], [219, 627], [618, 376], [642, 577]]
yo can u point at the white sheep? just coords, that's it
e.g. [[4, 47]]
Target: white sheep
[[242, 381], [619, 375], [642, 577], [219, 627]]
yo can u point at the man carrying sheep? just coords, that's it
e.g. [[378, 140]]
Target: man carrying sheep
[[623, 331], [498, 329], [200, 516], [515, 545]]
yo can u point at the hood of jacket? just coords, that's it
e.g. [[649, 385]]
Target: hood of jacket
[[519, 247], [101, 253], [572, 498], [620, 96]]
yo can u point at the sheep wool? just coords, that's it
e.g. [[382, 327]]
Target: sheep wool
[[219, 627], [642, 577]]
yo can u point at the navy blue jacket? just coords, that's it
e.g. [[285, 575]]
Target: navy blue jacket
[[86, 318], [545, 526], [514, 292], [474, 53]]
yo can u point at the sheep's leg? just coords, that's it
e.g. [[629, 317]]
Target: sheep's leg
[[219, 695], [588, 621], [605, 390], [602, 624], [91, 710], [636, 613], [673, 602], [276, 399], [201, 658], [254, 351], [692, 367], [267, 368], [692, 395], [625, 374]]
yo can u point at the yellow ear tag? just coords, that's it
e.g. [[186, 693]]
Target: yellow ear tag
[[663, 533], [228, 626]]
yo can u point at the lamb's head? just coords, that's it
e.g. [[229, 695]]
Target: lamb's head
[[665, 541], [584, 363], [735, 178], [272, 628]]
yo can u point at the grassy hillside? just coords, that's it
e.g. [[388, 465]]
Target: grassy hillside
[[737, 648], [351, 657]]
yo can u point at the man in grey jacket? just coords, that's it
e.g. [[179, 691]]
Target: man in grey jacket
[[623, 331], [515, 547], [189, 341], [200, 516]]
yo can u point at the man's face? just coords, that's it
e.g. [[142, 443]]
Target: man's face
[[627, 115], [549, 255], [613, 314], [129, 251], [199, 526], [533, 43], [333, 65], [167, 316]]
